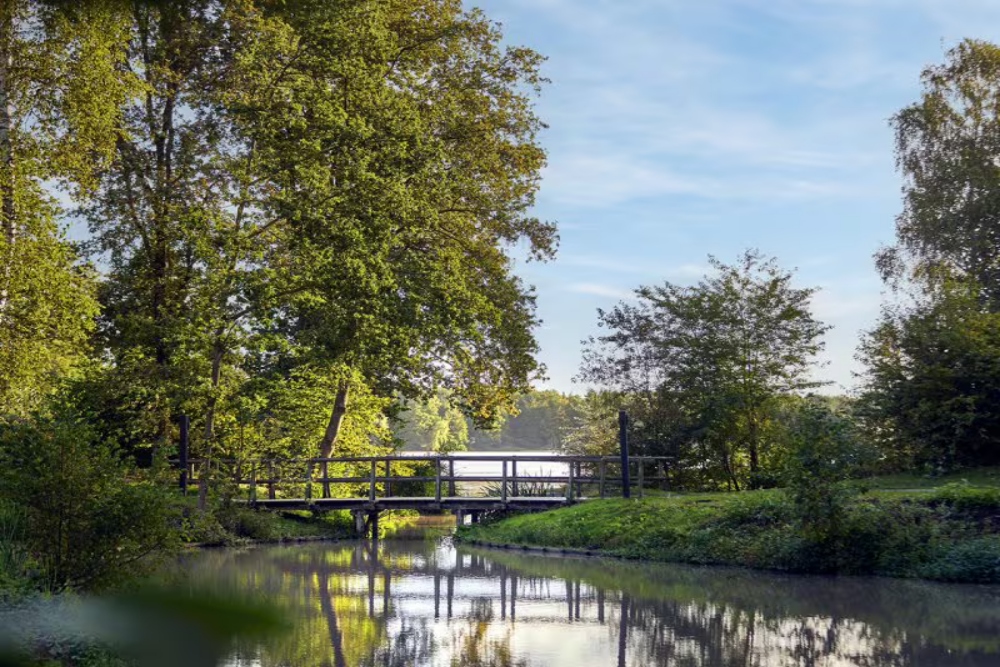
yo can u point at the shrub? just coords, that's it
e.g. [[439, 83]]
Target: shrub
[[825, 450], [89, 521], [246, 523], [971, 561], [971, 499]]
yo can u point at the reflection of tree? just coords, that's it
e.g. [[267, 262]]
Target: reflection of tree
[[688, 617], [472, 645]]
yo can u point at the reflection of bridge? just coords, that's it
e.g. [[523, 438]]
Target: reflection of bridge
[[583, 604], [367, 485], [467, 589]]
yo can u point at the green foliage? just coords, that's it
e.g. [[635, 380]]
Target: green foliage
[[945, 148], [703, 367], [328, 190], [932, 360], [967, 498], [973, 561], [89, 520], [432, 425], [825, 449], [152, 627], [932, 381], [15, 561]]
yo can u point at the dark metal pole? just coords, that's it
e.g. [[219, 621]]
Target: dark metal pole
[[182, 453], [623, 445]]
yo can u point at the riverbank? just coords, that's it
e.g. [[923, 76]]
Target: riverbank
[[241, 526], [948, 534]]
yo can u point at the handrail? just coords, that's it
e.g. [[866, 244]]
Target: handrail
[[554, 458], [582, 472]]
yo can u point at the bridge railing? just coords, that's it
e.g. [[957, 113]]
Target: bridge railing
[[430, 476]]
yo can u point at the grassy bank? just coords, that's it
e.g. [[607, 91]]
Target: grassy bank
[[948, 534], [234, 525]]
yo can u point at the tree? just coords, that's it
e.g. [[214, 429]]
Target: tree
[[433, 425], [933, 381], [60, 86], [323, 186], [86, 528], [946, 149], [930, 387], [409, 185], [716, 355], [592, 429]]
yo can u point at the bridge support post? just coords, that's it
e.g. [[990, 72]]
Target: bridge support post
[[459, 518], [359, 522], [373, 523]]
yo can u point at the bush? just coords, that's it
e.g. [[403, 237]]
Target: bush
[[970, 499], [250, 524], [825, 451], [972, 561], [89, 520]]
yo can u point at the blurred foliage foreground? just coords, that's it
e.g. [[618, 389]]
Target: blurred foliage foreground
[[152, 627]]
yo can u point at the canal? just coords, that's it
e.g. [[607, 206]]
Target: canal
[[413, 602]]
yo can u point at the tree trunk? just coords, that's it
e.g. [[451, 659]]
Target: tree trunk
[[217, 353], [8, 207], [336, 419], [753, 449]]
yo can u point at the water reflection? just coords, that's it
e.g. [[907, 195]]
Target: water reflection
[[424, 603]]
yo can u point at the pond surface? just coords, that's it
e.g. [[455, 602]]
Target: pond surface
[[413, 603]]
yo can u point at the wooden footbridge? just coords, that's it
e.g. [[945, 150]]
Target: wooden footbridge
[[367, 485]]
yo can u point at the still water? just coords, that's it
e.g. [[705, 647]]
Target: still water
[[425, 602]]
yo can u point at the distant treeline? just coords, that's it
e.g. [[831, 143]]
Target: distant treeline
[[542, 421]]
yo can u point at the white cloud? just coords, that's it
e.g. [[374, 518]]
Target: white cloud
[[597, 289]]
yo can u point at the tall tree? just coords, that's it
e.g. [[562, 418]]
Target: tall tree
[[946, 149], [717, 353], [328, 189], [402, 146], [60, 90], [929, 390]]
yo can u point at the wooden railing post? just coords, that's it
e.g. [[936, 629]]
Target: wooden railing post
[[639, 462], [388, 484], [569, 485], [451, 478], [371, 486], [437, 480], [603, 466], [503, 484], [326, 479], [514, 489], [270, 480]]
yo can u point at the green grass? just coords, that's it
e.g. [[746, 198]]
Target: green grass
[[949, 534], [976, 477]]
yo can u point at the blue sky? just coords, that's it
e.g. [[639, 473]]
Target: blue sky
[[683, 128]]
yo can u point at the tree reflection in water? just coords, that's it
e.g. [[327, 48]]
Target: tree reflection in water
[[421, 603]]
